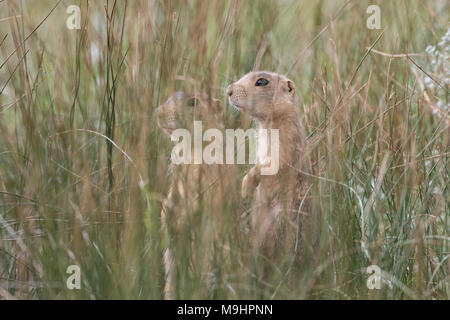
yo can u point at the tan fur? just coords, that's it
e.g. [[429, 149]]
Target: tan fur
[[276, 197], [192, 185]]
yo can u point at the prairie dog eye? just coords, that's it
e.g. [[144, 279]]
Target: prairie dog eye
[[192, 102], [261, 82]]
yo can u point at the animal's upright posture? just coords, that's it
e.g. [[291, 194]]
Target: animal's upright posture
[[197, 195], [270, 99]]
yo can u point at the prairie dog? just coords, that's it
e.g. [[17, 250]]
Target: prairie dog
[[271, 100], [181, 109], [192, 186]]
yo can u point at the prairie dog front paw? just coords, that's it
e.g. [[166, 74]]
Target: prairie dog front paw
[[250, 181], [244, 187]]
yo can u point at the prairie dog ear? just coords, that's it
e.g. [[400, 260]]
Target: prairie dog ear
[[288, 86], [217, 105]]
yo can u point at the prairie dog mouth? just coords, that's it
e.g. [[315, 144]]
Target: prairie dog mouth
[[167, 124], [234, 105]]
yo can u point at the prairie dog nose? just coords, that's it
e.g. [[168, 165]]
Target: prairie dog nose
[[230, 90], [158, 111]]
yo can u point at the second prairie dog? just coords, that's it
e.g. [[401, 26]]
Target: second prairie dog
[[190, 185], [271, 100]]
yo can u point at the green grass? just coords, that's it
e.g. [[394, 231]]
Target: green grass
[[69, 195]]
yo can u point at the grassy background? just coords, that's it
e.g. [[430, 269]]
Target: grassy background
[[68, 195]]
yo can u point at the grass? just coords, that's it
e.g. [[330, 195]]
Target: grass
[[83, 165]]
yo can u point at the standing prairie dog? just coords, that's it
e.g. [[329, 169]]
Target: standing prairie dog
[[179, 112], [194, 189], [270, 99]]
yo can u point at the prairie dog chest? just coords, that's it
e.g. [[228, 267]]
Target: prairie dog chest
[[263, 146]]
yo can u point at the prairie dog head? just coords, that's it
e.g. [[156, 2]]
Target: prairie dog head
[[181, 109], [263, 95]]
